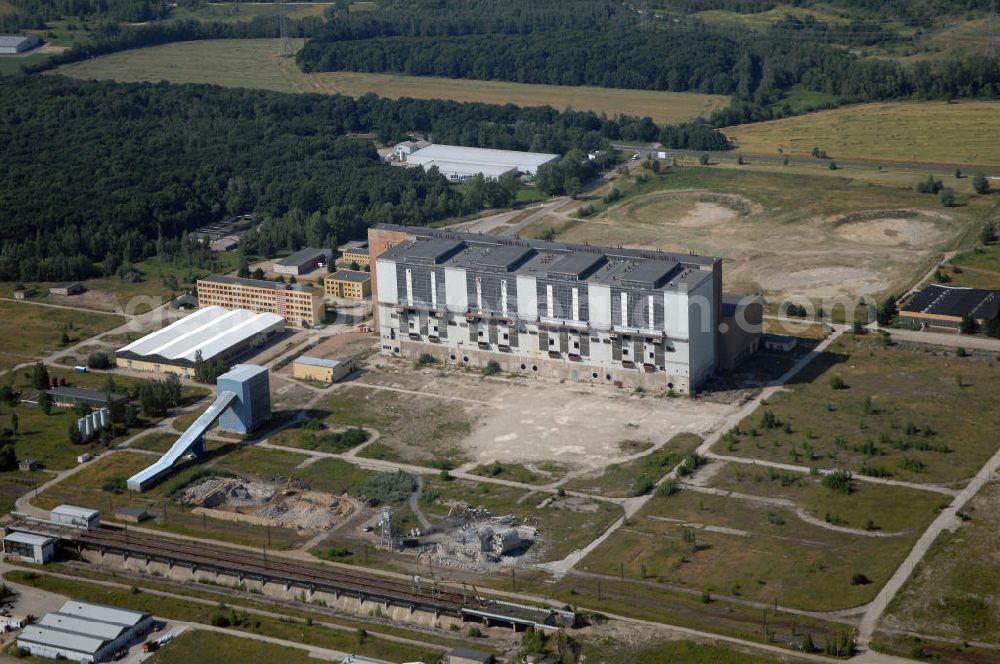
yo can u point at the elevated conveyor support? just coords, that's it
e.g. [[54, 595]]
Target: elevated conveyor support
[[191, 441]]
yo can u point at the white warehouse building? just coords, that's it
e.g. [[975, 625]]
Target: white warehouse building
[[623, 316], [84, 632], [459, 163], [209, 333]]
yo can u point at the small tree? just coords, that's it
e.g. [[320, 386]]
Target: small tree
[[40, 377], [703, 159], [967, 325], [73, 434], [740, 160], [492, 368], [947, 197], [887, 311], [981, 184], [8, 457], [833, 166], [988, 233], [14, 423], [45, 403], [258, 273]]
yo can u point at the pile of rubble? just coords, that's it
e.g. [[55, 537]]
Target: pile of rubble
[[481, 541], [267, 504]]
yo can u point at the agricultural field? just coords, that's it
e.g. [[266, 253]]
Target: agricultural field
[[663, 107], [931, 132], [947, 596], [878, 410], [255, 63], [785, 234]]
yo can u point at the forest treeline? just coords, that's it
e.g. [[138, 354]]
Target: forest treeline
[[95, 172]]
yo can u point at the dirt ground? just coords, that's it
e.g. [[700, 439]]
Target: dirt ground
[[528, 420], [864, 253]]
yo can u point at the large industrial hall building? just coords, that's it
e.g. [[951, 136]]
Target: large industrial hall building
[[298, 304], [459, 163], [624, 316], [211, 333]]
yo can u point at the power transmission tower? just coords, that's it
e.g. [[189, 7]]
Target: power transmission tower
[[387, 541], [284, 49], [991, 48]]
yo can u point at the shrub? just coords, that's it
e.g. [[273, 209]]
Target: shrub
[[840, 481], [642, 486], [115, 485], [859, 579], [492, 368], [388, 487], [99, 361], [612, 196], [981, 184], [947, 197], [220, 620], [425, 359], [837, 383], [667, 488]]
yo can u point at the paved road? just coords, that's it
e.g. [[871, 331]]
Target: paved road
[[947, 519], [976, 342]]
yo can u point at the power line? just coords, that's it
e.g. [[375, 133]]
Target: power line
[[284, 49]]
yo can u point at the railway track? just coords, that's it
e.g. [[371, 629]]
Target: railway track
[[231, 560]]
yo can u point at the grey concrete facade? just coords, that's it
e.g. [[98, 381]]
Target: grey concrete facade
[[642, 318]]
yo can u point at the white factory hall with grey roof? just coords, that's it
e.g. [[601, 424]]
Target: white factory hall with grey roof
[[631, 317]]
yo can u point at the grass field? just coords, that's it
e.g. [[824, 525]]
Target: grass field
[[765, 19], [942, 132], [902, 414], [621, 480], [254, 63], [748, 549], [948, 596], [47, 325]]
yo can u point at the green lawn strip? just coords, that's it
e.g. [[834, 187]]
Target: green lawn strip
[[564, 524], [192, 645], [290, 629], [898, 413], [47, 325], [761, 552], [668, 652], [636, 477], [515, 472]]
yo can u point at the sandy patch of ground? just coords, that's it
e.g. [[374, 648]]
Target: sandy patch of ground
[[781, 252], [533, 420], [897, 228]]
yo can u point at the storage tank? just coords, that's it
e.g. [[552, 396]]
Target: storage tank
[[105, 418]]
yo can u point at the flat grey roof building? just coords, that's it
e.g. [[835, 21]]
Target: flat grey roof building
[[356, 276], [10, 44]]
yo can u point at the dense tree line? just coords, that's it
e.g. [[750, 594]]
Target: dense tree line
[[99, 175]]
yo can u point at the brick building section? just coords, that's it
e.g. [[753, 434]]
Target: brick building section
[[380, 240]]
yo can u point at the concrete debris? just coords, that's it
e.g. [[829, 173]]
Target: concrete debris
[[268, 503]]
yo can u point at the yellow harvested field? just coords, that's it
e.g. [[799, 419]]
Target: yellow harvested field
[[663, 107], [932, 132], [254, 63]]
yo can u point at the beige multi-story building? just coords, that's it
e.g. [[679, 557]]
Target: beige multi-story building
[[349, 284], [298, 304], [355, 251]]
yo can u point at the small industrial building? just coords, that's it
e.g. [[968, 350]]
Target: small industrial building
[[298, 304], [24, 293], [459, 163], [355, 251], [469, 656], [14, 44], [322, 370], [302, 261], [406, 148], [78, 517], [30, 547], [84, 632], [742, 318], [27, 465], [72, 396], [349, 284], [211, 333], [132, 514], [946, 306], [66, 288]]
